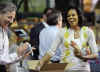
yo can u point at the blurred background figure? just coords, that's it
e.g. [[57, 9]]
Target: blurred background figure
[[89, 5], [89, 12]]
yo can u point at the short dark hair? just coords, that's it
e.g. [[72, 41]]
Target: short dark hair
[[46, 11], [52, 19], [79, 12], [7, 7]]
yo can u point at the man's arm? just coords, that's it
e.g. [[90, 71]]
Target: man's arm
[[51, 51]]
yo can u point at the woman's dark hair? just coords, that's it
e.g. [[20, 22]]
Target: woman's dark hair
[[52, 19], [80, 15], [7, 7]]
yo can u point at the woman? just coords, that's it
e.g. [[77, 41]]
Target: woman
[[76, 40]]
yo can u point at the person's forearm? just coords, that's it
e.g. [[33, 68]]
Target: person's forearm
[[45, 59], [90, 57], [87, 57], [10, 59]]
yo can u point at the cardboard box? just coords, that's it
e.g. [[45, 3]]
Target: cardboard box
[[54, 67], [51, 67], [32, 64]]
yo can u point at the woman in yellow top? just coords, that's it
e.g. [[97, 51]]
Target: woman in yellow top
[[76, 39]]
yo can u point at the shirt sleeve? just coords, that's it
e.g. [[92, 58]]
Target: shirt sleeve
[[5, 56], [92, 42], [10, 58]]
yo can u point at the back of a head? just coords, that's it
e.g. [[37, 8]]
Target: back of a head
[[7, 7], [48, 11], [52, 19]]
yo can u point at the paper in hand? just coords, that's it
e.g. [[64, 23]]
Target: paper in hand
[[28, 50]]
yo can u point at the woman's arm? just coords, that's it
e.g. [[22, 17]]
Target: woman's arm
[[92, 45]]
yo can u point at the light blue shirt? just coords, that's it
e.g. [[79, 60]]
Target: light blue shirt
[[47, 36]]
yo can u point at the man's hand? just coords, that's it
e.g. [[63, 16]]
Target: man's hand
[[27, 54], [23, 48]]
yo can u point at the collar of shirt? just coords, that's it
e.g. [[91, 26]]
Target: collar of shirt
[[45, 24]]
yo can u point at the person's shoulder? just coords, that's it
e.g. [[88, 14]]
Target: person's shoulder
[[47, 29], [44, 30], [61, 31], [85, 28], [88, 30], [64, 29], [37, 26]]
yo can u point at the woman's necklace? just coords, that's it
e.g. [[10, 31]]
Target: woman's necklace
[[76, 34]]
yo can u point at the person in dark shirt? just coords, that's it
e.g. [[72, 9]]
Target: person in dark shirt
[[35, 31]]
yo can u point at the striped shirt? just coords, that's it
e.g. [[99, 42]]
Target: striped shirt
[[5, 57]]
